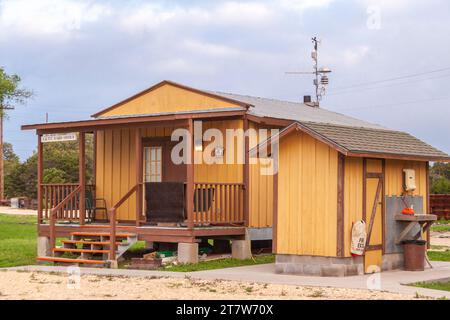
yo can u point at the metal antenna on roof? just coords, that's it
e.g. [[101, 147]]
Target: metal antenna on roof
[[320, 74]]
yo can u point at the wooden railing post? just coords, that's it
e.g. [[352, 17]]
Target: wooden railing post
[[40, 170], [246, 174], [112, 237], [82, 176], [190, 176], [139, 175]]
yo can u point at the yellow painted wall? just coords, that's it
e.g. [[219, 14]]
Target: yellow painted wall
[[307, 197], [168, 98], [261, 190], [115, 167], [226, 173], [353, 197]]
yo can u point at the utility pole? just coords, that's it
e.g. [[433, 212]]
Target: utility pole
[[320, 78]]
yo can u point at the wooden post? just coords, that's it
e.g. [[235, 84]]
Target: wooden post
[[40, 170], [82, 176], [246, 174], [112, 239], [190, 176], [139, 174]]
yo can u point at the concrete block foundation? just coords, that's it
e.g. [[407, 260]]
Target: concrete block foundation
[[392, 261], [241, 249], [319, 266], [43, 247], [188, 252]]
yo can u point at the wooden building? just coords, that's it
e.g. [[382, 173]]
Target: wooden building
[[332, 169]]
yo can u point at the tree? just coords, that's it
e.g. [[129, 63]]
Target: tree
[[440, 178], [60, 166], [10, 96]]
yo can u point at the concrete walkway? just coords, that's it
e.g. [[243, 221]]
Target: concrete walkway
[[9, 210], [391, 281]]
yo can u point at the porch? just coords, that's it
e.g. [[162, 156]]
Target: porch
[[204, 209]]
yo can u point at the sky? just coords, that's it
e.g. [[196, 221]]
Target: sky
[[80, 56]]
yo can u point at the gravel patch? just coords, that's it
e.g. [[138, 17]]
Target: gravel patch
[[40, 285]]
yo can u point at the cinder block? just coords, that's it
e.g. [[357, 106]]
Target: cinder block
[[240, 249], [312, 270], [43, 246], [188, 252], [353, 270], [333, 271]]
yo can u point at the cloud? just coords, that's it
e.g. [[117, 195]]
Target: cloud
[[49, 16]]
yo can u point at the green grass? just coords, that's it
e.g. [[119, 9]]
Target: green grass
[[219, 264], [441, 226], [17, 240], [439, 255], [445, 286]]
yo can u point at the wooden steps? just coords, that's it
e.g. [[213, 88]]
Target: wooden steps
[[99, 243], [100, 234], [91, 248], [79, 250], [71, 261]]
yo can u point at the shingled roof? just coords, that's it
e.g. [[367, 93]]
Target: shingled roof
[[358, 141]]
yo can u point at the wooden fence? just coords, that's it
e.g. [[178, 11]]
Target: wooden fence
[[440, 205]]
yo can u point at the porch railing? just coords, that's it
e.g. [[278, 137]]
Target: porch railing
[[58, 209], [218, 203], [54, 194]]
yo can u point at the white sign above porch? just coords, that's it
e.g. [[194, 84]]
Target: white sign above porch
[[59, 137]]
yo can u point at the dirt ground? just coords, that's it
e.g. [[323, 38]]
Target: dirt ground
[[36, 285]]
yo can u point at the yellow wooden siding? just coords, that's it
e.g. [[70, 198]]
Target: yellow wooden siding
[[168, 98], [261, 192], [116, 172], [307, 197], [394, 178], [353, 206], [115, 168], [226, 173]]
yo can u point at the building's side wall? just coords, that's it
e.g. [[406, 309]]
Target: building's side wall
[[168, 98], [220, 172], [307, 197], [261, 190], [353, 197]]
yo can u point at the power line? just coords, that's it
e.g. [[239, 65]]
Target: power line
[[392, 79], [386, 86], [396, 104]]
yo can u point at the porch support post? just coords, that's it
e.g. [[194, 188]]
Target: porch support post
[[246, 174], [190, 176], [40, 173], [82, 176], [138, 165]]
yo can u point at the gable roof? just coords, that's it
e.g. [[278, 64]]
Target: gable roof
[[272, 108], [174, 84], [366, 142]]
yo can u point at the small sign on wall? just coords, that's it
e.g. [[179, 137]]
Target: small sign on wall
[[59, 137]]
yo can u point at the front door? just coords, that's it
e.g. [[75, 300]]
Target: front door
[[373, 213], [153, 159]]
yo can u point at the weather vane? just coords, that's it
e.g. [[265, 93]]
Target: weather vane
[[320, 74]]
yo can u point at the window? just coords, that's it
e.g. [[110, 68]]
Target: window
[[152, 164]]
